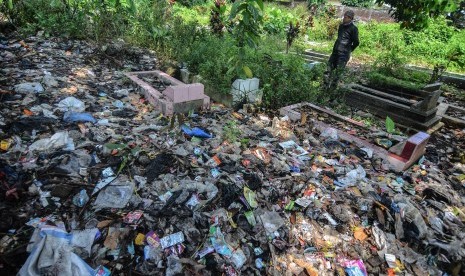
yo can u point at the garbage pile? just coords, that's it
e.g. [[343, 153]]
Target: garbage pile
[[94, 181]]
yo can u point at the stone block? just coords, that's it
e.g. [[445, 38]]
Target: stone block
[[178, 93], [196, 91], [167, 107], [244, 88], [289, 112], [185, 107]]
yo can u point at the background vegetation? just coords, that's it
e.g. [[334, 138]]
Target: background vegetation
[[358, 3], [206, 36]]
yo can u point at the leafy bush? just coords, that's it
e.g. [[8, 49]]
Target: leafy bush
[[217, 17], [416, 14], [190, 3], [286, 80], [357, 3], [203, 58], [52, 16], [147, 24], [325, 28], [315, 5], [99, 20], [196, 13], [181, 38], [390, 62]]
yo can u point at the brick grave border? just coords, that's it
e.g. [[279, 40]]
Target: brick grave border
[[178, 97]]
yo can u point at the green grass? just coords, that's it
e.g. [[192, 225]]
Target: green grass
[[200, 14]]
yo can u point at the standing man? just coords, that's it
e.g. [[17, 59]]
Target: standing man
[[347, 41]]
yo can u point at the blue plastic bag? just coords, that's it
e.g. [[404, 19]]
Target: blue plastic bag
[[195, 132], [75, 117]]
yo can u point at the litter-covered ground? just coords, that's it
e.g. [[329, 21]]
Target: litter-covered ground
[[94, 181]]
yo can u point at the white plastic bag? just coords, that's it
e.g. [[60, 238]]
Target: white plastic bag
[[52, 255], [58, 140], [71, 104]]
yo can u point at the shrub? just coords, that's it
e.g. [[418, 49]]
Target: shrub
[[315, 5], [190, 3], [99, 20], [203, 58], [148, 24], [196, 13], [52, 16], [285, 80], [380, 80]]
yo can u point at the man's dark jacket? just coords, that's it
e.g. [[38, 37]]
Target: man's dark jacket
[[347, 39]]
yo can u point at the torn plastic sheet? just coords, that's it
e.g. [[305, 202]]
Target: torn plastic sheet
[[58, 140], [353, 177], [116, 195], [102, 184], [172, 239], [52, 255], [193, 186], [84, 239], [272, 221], [218, 242], [355, 268], [75, 117], [292, 148]]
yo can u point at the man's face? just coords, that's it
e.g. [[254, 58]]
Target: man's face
[[346, 19]]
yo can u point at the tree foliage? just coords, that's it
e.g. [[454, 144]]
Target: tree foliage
[[358, 3], [414, 14], [247, 19]]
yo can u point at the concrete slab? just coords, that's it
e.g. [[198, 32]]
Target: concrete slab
[[419, 115], [195, 91], [177, 94]]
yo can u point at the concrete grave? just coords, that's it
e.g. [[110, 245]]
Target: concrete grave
[[457, 80], [447, 113], [312, 56], [292, 111], [400, 156], [169, 94], [415, 109]]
